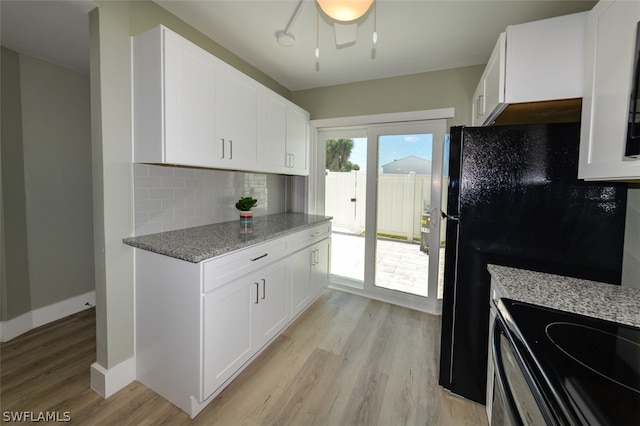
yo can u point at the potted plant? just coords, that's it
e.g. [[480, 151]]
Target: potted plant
[[245, 204]]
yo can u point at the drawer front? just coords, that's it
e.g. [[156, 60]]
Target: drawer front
[[219, 271], [310, 236]]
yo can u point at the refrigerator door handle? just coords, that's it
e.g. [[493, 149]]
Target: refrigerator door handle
[[455, 218]]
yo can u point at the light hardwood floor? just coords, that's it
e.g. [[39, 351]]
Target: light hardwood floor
[[346, 361]]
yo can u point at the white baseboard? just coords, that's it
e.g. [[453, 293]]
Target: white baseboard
[[107, 382], [41, 316]]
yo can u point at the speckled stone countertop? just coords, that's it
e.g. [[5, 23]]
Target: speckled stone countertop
[[204, 242], [590, 298]]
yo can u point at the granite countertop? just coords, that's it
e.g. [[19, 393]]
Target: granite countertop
[[204, 242], [589, 298]]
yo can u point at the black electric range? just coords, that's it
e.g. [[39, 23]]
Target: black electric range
[[587, 370]]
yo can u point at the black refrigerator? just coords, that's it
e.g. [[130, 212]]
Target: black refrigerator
[[514, 199]]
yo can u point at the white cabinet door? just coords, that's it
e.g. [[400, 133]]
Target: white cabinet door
[[174, 92], [301, 291], [190, 94], [477, 105], [272, 125], [284, 133], [494, 81], [237, 121], [320, 266], [611, 40], [271, 311], [227, 333], [297, 141]]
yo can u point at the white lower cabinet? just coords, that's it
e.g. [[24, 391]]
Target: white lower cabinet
[[239, 318], [310, 268], [320, 265], [199, 324]]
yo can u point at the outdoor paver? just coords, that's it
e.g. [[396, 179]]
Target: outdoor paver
[[400, 266]]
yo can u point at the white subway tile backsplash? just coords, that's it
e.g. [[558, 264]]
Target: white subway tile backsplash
[[147, 205], [161, 171], [160, 193], [172, 182], [168, 198], [140, 170], [147, 182]]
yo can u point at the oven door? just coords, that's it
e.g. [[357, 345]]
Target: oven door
[[514, 401]]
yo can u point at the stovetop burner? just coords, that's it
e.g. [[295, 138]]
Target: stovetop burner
[[588, 369], [611, 356]]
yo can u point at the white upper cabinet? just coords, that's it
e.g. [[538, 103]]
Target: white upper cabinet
[[609, 63], [174, 93], [192, 109], [284, 135], [237, 121], [297, 140], [489, 94], [532, 62]]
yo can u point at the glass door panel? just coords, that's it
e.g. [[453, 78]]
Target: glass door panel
[[345, 198], [403, 212], [405, 243]]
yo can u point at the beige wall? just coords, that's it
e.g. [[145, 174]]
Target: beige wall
[[431, 90], [57, 157], [15, 278], [46, 171]]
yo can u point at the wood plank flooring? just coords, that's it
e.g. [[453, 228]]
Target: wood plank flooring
[[348, 360]]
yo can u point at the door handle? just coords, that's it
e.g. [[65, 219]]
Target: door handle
[[264, 289], [230, 149], [455, 218], [257, 293]]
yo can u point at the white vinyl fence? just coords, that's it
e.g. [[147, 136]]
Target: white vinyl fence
[[401, 200]]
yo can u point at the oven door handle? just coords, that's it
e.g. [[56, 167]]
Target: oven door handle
[[501, 378]]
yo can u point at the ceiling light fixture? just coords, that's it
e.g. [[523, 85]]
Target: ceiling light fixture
[[284, 37], [345, 10]]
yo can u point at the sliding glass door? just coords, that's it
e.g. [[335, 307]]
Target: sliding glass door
[[383, 188]]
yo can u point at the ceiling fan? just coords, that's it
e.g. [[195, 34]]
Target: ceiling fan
[[345, 15]]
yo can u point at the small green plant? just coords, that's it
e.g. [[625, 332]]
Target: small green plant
[[245, 204]]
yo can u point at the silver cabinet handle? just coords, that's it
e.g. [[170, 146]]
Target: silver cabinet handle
[[230, 149], [257, 293], [222, 151], [264, 289], [259, 257], [315, 234]]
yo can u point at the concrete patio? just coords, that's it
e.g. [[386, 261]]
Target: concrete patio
[[399, 266]]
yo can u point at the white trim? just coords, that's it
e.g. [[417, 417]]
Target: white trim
[[16, 326], [41, 316], [107, 382], [395, 117]]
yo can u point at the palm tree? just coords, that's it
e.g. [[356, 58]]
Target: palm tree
[[338, 153]]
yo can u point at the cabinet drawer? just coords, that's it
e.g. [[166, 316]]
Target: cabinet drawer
[[310, 236], [219, 271]]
